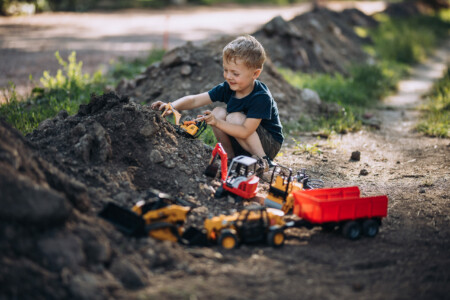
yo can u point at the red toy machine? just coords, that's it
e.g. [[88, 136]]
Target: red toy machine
[[343, 208], [239, 179]]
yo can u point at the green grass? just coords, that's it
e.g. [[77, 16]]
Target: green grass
[[123, 68], [397, 44], [65, 90], [408, 40], [365, 86], [436, 112]]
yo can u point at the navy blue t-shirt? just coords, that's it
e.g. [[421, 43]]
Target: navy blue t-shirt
[[259, 104]]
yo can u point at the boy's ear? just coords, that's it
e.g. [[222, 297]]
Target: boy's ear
[[256, 73]]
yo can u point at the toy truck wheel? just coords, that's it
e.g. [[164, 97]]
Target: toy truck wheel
[[370, 228], [220, 192], [351, 230], [228, 240], [276, 237]]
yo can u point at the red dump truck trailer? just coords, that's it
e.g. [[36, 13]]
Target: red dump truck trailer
[[341, 208]]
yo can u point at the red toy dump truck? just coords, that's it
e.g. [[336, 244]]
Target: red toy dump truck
[[341, 208]]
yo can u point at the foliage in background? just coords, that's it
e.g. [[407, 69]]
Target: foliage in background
[[362, 89], [69, 88], [397, 44], [436, 112], [408, 40], [129, 69], [15, 6], [66, 90]]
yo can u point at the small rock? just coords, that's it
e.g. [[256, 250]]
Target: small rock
[[86, 286], [62, 252], [169, 164], [186, 70], [156, 157], [310, 96], [356, 156], [422, 191], [364, 172], [148, 131], [130, 276]]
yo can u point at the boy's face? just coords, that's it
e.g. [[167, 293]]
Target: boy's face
[[239, 76]]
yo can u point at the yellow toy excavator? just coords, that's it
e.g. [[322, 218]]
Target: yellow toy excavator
[[189, 128]]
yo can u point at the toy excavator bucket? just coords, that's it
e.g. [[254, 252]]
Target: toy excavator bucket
[[211, 169], [123, 219], [176, 114]]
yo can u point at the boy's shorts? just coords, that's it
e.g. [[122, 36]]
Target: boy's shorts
[[270, 145]]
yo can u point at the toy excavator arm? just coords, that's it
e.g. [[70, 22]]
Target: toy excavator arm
[[176, 114], [218, 150]]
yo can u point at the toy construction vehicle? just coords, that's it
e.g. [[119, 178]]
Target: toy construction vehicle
[[239, 179], [253, 224], [283, 185], [157, 218], [188, 128]]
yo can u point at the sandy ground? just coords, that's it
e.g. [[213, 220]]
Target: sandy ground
[[28, 43]]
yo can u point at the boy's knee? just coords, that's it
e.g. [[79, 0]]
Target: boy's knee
[[219, 113], [236, 118]]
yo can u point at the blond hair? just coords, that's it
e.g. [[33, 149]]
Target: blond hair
[[246, 48]]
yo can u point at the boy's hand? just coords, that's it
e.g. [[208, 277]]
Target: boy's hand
[[209, 118], [159, 105]]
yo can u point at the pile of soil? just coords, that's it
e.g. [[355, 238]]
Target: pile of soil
[[56, 181], [318, 41]]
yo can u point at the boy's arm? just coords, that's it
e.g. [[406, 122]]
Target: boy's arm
[[235, 130], [185, 103]]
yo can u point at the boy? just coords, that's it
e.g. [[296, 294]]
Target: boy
[[250, 124]]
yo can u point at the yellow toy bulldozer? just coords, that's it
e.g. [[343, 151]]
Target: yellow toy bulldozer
[[253, 224], [158, 219], [283, 185]]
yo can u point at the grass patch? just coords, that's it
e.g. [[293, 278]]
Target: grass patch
[[436, 112], [365, 86], [408, 40], [397, 44], [69, 88], [66, 90], [123, 68]]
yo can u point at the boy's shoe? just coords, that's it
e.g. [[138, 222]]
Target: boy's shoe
[[264, 165]]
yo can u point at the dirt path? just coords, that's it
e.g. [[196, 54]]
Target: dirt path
[[409, 258], [28, 44]]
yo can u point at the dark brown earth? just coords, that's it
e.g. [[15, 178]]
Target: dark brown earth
[[54, 181]]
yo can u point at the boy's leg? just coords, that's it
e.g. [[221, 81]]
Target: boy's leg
[[252, 144], [222, 137]]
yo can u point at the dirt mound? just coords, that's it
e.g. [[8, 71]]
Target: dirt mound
[[318, 41], [112, 150]]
